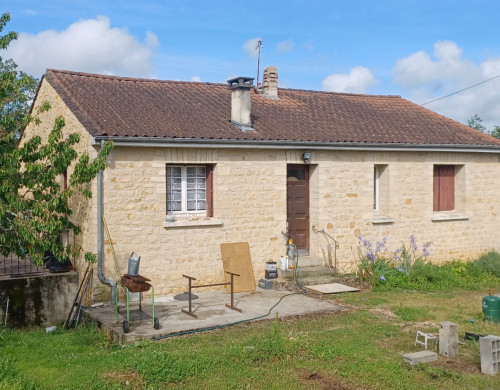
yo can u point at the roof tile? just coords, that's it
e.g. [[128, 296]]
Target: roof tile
[[128, 107]]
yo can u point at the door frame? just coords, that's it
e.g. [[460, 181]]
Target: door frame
[[305, 168]]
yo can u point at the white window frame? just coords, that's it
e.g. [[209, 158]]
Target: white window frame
[[184, 200], [376, 188]]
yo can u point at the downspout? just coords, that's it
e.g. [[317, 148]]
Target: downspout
[[100, 238]]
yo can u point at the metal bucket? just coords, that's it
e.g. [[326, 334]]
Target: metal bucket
[[133, 264]]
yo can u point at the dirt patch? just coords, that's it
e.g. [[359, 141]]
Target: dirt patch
[[460, 365], [130, 380], [325, 382]]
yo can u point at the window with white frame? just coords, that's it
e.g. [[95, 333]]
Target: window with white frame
[[189, 189], [381, 190], [376, 187]]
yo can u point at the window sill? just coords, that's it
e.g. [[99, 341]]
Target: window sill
[[192, 223], [449, 217], [378, 220]]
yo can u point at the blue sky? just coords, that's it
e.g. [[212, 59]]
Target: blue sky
[[420, 50]]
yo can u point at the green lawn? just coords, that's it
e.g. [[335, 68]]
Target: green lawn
[[360, 348]]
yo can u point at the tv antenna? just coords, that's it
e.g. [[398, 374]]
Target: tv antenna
[[258, 45]]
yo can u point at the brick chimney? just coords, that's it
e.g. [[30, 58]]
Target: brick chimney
[[241, 101], [270, 82]]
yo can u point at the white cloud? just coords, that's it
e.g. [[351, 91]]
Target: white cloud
[[425, 78], [87, 45], [196, 78], [250, 47], [285, 46], [419, 68], [359, 80]]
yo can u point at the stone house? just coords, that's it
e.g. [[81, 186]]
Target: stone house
[[200, 164]]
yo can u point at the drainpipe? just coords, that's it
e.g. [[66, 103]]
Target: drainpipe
[[100, 240]]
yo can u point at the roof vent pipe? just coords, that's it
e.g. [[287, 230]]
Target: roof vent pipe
[[100, 239], [270, 82], [241, 101]]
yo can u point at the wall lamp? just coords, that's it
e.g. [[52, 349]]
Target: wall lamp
[[306, 156]]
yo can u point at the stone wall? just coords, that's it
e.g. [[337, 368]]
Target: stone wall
[[38, 301], [250, 205]]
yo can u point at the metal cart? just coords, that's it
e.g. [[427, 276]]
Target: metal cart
[[137, 284]]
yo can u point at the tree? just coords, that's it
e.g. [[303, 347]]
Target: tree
[[34, 209], [476, 123], [496, 132]]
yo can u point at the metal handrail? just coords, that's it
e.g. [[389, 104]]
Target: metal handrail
[[328, 259]]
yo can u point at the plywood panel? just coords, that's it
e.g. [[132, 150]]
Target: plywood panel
[[236, 258]]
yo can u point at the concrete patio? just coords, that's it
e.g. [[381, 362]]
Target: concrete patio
[[210, 307]]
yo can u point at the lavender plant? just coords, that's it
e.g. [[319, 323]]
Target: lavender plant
[[377, 262]]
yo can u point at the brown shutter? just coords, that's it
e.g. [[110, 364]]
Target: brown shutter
[[209, 190], [447, 187], [444, 188]]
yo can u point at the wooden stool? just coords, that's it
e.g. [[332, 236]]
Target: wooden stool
[[427, 337]]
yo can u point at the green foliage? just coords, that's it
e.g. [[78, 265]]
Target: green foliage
[[489, 262], [496, 132], [406, 268], [431, 277], [34, 209], [17, 89], [476, 123], [413, 313]]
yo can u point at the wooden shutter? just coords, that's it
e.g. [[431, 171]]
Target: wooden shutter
[[444, 187]]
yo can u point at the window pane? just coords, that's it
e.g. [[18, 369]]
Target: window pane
[[176, 195], [176, 206], [191, 171], [191, 195], [191, 183], [201, 205], [200, 171], [191, 205], [177, 183], [200, 183], [174, 171]]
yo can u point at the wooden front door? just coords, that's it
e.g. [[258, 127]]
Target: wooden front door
[[298, 206]]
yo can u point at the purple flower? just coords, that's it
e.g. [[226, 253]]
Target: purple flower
[[413, 243], [382, 278], [400, 269]]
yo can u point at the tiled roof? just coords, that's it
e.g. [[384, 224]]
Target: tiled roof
[[127, 107]]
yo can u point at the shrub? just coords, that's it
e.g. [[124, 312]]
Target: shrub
[[490, 262]]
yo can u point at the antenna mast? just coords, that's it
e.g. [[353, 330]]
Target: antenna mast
[[257, 47]]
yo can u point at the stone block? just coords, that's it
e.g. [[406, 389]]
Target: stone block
[[490, 354], [448, 339], [420, 357]]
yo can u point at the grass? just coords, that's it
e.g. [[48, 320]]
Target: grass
[[358, 348]]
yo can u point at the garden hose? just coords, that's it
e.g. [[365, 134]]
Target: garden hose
[[225, 325]]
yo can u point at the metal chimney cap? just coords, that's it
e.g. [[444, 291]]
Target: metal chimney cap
[[240, 82]]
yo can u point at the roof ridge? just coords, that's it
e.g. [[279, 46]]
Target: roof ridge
[[124, 78], [338, 93]]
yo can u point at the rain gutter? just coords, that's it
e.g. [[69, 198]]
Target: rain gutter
[[279, 144], [100, 238]]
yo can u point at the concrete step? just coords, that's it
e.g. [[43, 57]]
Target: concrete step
[[305, 272], [308, 276], [310, 261]]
